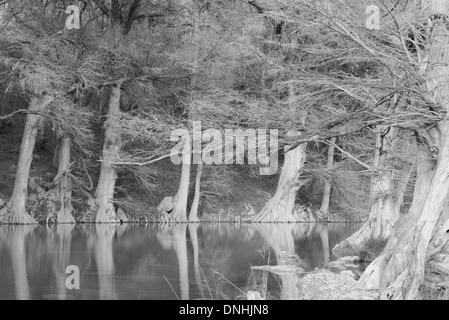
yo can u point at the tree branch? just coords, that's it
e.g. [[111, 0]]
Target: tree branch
[[256, 6], [149, 15], [314, 136], [13, 114], [131, 16], [23, 111], [115, 11], [351, 156], [141, 164], [100, 4]]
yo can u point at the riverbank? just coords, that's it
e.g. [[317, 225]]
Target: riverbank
[[227, 196]]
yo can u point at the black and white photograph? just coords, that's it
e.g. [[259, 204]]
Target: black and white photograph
[[224, 155]]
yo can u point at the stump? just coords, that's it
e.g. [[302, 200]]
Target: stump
[[164, 209]]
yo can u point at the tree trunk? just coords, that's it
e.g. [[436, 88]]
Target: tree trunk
[[387, 192], [179, 213], [193, 217], [327, 184], [180, 200], [397, 253], [64, 215], [399, 271], [383, 215], [40, 134], [280, 207], [427, 222], [108, 176], [15, 211]]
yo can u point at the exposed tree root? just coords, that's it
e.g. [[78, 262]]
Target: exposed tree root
[[8, 216], [280, 207], [355, 242]]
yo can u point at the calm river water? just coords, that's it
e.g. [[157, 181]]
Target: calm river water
[[206, 261]]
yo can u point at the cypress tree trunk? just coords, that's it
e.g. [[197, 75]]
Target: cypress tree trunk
[[399, 272], [391, 267], [64, 215], [193, 216], [280, 207], [387, 192], [108, 176], [324, 209], [179, 213], [180, 200], [15, 211]]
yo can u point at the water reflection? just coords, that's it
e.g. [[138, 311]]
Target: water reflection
[[174, 237], [323, 230], [104, 258], [196, 261], [16, 237], [193, 232], [281, 239], [62, 241]]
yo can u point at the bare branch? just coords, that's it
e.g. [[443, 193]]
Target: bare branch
[[131, 16], [256, 6], [351, 156], [100, 4], [141, 164], [21, 111]]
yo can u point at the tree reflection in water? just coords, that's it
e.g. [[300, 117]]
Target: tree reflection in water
[[104, 259], [323, 230], [281, 240], [61, 248], [16, 237], [193, 233], [134, 261], [174, 236]]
